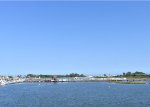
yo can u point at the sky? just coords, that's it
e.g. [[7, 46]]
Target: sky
[[92, 38]]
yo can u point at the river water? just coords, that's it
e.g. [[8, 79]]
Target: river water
[[76, 94]]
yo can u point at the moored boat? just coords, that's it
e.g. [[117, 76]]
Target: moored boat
[[2, 82]]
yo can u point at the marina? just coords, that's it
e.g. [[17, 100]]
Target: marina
[[13, 80]]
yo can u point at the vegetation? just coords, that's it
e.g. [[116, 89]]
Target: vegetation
[[75, 75], [55, 76], [137, 74], [122, 82]]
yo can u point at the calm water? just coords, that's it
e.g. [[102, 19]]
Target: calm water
[[75, 95]]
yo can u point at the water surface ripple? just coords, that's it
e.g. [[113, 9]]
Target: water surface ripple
[[77, 94]]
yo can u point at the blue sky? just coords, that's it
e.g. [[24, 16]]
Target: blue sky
[[83, 37]]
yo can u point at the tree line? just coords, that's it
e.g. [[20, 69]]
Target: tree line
[[55, 76], [134, 74]]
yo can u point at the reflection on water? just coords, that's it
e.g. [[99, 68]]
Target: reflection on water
[[79, 94]]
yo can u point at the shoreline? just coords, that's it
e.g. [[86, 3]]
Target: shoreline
[[116, 82], [76, 79]]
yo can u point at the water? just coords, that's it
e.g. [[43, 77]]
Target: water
[[80, 94]]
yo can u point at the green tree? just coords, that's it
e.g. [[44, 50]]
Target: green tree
[[128, 73], [124, 74]]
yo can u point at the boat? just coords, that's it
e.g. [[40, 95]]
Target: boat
[[2, 82]]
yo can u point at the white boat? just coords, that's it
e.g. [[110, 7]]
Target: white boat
[[2, 82]]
